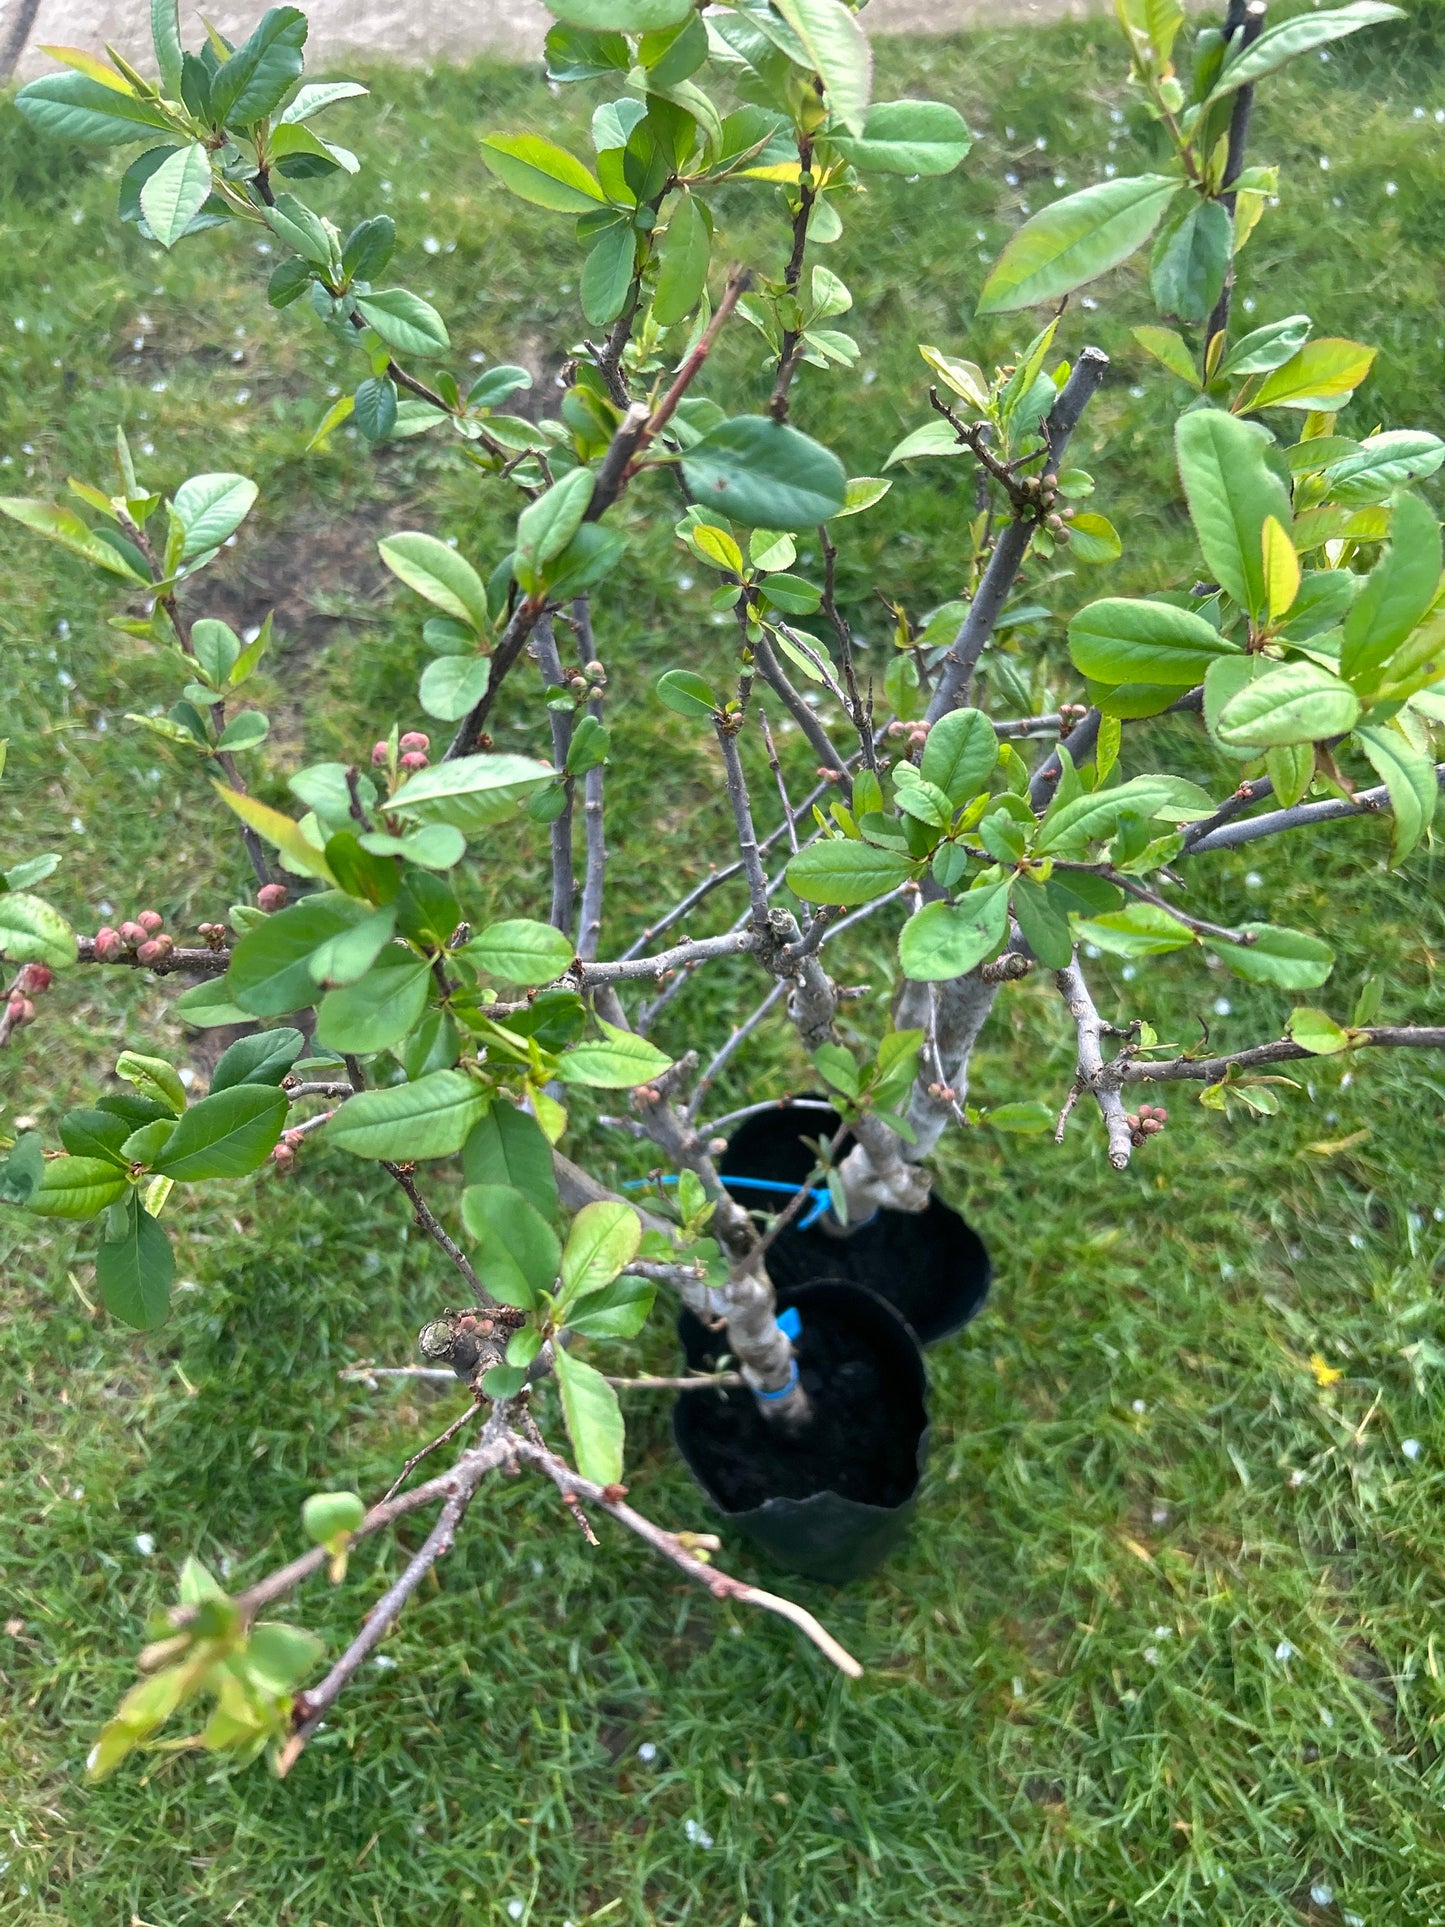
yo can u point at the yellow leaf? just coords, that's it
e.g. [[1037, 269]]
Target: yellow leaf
[[1281, 568], [280, 830], [93, 69], [1325, 1373], [1140, 1552], [1329, 1147]]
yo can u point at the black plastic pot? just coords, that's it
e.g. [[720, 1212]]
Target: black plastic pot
[[931, 1266], [835, 1501]]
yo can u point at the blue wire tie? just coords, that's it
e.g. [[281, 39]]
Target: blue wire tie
[[783, 1390], [790, 1323], [818, 1193]]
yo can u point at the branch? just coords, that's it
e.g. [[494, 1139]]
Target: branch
[[589, 921], [1209, 1070], [789, 354], [737, 788], [524, 620], [860, 714], [426, 1220], [198, 962], [1303, 816], [564, 885], [1247, 22], [683, 1549], [1012, 545], [1093, 1074], [804, 716], [691, 951]]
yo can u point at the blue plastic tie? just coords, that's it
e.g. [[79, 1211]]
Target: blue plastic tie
[[766, 1398], [790, 1323], [818, 1193]]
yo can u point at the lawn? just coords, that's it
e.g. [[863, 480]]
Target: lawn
[[1162, 1645]]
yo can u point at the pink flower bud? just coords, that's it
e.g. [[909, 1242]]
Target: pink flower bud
[[151, 951], [34, 978], [414, 739], [109, 944], [414, 759], [21, 1011], [271, 897], [150, 921], [132, 934], [283, 1155], [379, 754]]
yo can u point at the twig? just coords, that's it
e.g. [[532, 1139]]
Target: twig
[[1246, 21], [1094, 1074], [589, 921], [462, 1418], [426, 1220], [698, 1382], [1302, 816], [843, 635], [737, 788], [784, 1103], [524, 620], [564, 884], [790, 351], [803, 715], [682, 1550], [789, 821], [737, 1036], [1208, 1070], [198, 962]]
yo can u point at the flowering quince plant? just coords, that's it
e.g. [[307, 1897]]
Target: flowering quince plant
[[1307, 645]]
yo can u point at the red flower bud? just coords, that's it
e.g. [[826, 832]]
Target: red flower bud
[[132, 934], [414, 739], [150, 921], [109, 944], [21, 1011], [379, 753], [34, 978], [414, 759], [283, 1155], [152, 951], [271, 896]]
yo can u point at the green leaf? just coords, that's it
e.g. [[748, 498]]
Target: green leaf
[[1026, 1118], [171, 198], [23, 1170], [1295, 702], [1384, 463], [279, 829], [63, 526], [546, 526], [311, 99], [94, 1134], [269, 972], [936, 437], [470, 792], [620, 1062], [908, 137], [1290, 768], [1411, 781], [682, 270], [1267, 347], [1289, 959], [836, 871], [518, 1254], [404, 321], [454, 685], [1117, 641], [508, 1147], [1190, 260], [298, 228], [207, 1005], [74, 107], [541, 172], [257, 77], [593, 1416], [622, 16], [521, 951], [1043, 922], [944, 940], [1138, 930], [379, 1008], [77, 1187], [435, 570], [166, 39], [1288, 39], [154, 1078], [430, 1118], [765, 474], [263, 1058], [687, 695], [619, 1310], [960, 754], [1316, 1032], [1323, 375], [607, 272], [1094, 539], [245, 731], [31, 932], [277, 1658], [1397, 594], [1169, 348], [838, 50], [374, 407], [134, 1273], [226, 1135], [211, 507], [1084, 819], [1075, 240], [1231, 490], [603, 1240]]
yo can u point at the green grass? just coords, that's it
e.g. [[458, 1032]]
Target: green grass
[[1162, 1646]]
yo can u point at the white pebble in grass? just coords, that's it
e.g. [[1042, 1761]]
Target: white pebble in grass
[[1296, 1478], [516, 1909], [1248, 304], [1151, 1655], [1358, 1920], [1164, 1632], [1160, 1515], [1322, 1894], [145, 1545], [1327, 1718], [1222, 1006], [1391, 189], [384, 1663], [1139, 1407], [1129, 973], [1284, 1652], [697, 1835], [1324, 163], [647, 1752], [1412, 1448], [1253, 880], [1018, 1687]]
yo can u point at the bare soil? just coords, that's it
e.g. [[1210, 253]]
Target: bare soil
[[423, 30]]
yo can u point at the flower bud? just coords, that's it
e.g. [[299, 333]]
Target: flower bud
[[415, 739], [132, 934], [34, 978], [271, 896], [21, 1011], [109, 944], [379, 753], [414, 759], [283, 1156], [153, 951], [150, 921]]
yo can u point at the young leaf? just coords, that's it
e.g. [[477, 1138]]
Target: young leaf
[[1075, 240], [470, 792], [430, 1118], [541, 172], [177, 191], [280, 830], [1231, 489], [908, 137], [211, 507], [435, 570], [620, 1062], [547, 525], [835, 871], [269, 972], [1190, 260], [1171, 349], [1120, 641], [1323, 375], [508, 1147], [134, 1272], [1288, 39], [226, 1135], [686, 694], [603, 1240], [944, 940], [1411, 781], [31, 932], [452, 686], [518, 1254], [1316, 1032], [154, 1078], [593, 1417], [404, 321], [1289, 959], [1295, 702], [1281, 570], [521, 951], [607, 272], [619, 1310], [1397, 594], [76, 1187], [65, 527], [960, 754], [682, 271], [264, 1058], [380, 1007], [256, 78], [840, 54]]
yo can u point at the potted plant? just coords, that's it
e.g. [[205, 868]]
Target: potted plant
[[370, 1011]]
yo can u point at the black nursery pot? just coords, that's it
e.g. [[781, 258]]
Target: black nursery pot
[[930, 1266], [833, 1502]]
